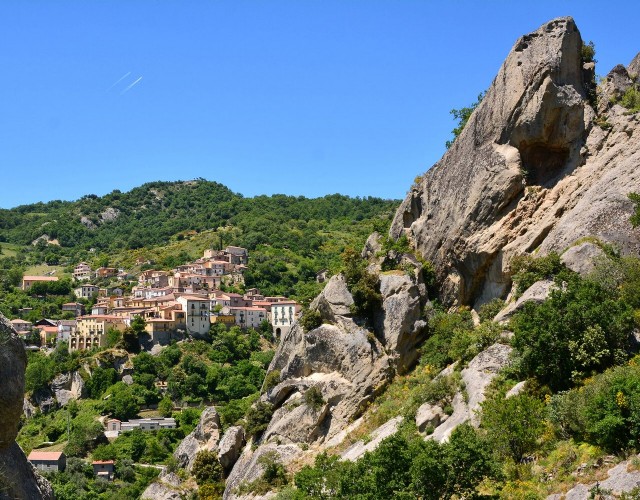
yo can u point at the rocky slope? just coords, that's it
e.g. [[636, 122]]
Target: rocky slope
[[534, 169], [18, 479]]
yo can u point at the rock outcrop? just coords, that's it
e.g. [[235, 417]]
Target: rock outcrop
[[67, 387], [530, 170], [204, 437], [582, 258], [18, 479], [250, 467], [231, 446], [399, 323], [476, 378], [538, 292]]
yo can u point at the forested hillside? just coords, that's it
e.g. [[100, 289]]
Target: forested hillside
[[290, 238]]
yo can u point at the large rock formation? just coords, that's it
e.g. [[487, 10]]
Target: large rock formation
[[342, 361], [205, 436], [18, 479], [530, 170], [534, 169]]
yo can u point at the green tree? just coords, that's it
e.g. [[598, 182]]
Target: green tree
[[513, 425], [635, 218], [206, 468], [462, 115], [577, 330], [165, 407]]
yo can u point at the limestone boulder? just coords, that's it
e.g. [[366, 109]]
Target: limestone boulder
[[372, 246], [476, 377], [582, 258], [334, 300], [356, 450], [399, 322], [250, 467], [516, 389], [613, 87], [204, 437], [538, 292], [429, 415], [230, 446]]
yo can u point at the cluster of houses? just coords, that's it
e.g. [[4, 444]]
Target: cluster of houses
[[56, 461], [186, 299]]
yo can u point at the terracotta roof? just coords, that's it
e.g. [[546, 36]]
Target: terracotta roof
[[19, 322], [44, 455], [99, 316], [102, 462]]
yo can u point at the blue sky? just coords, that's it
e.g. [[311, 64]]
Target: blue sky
[[297, 97]]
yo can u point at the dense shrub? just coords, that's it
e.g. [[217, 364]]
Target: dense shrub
[[258, 418], [513, 424], [580, 329], [313, 398], [526, 270], [206, 468], [310, 319], [606, 411]]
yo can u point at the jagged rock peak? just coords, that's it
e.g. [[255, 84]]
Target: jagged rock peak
[[510, 182]]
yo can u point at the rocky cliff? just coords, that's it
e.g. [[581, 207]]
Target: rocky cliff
[[18, 479], [534, 170]]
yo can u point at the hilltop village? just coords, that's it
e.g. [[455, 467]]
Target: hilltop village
[[174, 304]]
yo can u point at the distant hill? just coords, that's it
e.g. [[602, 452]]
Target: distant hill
[[281, 231]]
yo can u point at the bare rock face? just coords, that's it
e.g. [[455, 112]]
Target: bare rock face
[[429, 415], [634, 66], [334, 300], [538, 292], [18, 479], [66, 387], [615, 85], [231, 446], [356, 450], [13, 362], [249, 467], [400, 320], [347, 365], [582, 258], [204, 437], [529, 171], [477, 376]]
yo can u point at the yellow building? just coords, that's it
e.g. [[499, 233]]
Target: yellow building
[[91, 331]]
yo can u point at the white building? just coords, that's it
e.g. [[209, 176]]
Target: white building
[[248, 317], [82, 272], [197, 310], [86, 291], [283, 314]]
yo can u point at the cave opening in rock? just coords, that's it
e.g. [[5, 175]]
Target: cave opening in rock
[[541, 162]]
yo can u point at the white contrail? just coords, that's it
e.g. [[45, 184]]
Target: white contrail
[[131, 86], [119, 80]]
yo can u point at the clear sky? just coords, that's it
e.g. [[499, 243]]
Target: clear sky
[[298, 97]]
